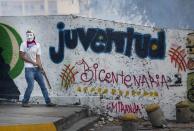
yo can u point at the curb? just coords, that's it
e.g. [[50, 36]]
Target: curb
[[29, 127]]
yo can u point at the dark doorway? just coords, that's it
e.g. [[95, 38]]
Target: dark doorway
[[8, 89]]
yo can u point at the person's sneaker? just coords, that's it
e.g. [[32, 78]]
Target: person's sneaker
[[25, 105], [50, 104]]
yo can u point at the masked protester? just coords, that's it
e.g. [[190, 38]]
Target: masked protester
[[30, 52]]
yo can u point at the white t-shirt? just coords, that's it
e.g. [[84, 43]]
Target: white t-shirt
[[31, 52]]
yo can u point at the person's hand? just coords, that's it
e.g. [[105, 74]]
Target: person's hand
[[39, 66], [34, 63], [42, 70]]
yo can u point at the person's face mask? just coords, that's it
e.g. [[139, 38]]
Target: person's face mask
[[30, 37]]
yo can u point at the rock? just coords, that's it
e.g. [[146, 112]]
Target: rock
[[110, 119]]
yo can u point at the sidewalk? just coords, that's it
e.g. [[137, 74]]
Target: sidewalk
[[116, 125], [172, 127], [13, 117]]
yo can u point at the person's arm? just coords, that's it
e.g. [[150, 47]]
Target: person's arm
[[26, 58], [38, 61]]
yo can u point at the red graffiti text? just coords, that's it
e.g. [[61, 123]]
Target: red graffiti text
[[94, 73], [120, 107]]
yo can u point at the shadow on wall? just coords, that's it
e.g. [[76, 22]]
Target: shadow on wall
[[8, 89]]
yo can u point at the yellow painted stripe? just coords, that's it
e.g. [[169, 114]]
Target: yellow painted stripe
[[29, 127]]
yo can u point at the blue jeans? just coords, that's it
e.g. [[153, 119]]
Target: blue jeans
[[32, 74]]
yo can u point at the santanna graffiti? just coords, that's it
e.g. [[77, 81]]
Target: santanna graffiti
[[120, 107], [101, 41], [94, 73]]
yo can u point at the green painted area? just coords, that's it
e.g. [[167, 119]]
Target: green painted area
[[6, 44], [190, 84]]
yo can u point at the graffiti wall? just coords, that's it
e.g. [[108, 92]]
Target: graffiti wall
[[114, 68], [10, 64]]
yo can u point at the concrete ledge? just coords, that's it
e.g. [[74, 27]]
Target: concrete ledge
[[13, 117], [83, 124], [65, 100]]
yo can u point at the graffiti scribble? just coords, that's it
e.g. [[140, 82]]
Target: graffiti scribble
[[68, 76], [116, 92], [178, 56]]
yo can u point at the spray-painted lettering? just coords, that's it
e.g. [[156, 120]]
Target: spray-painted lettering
[[101, 41], [120, 107], [94, 73]]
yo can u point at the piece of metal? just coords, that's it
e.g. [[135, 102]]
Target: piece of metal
[[47, 80]]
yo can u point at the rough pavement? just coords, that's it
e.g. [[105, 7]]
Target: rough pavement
[[115, 125]]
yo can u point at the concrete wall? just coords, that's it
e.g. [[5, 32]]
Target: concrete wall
[[112, 67]]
